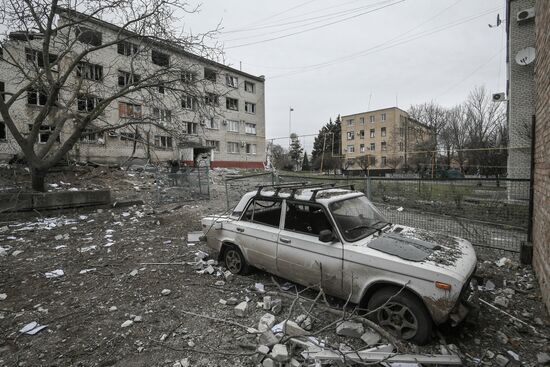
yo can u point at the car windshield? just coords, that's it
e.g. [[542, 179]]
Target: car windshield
[[357, 217]]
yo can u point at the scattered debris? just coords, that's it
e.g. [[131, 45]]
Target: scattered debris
[[32, 328], [127, 323], [165, 292], [350, 328], [54, 273], [241, 309]]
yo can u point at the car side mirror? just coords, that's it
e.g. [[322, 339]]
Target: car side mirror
[[326, 235]]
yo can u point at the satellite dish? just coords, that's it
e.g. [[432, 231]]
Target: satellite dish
[[525, 56]]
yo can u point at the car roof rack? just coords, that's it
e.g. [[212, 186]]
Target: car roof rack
[[314, 192], [294, 189], [279, 187]]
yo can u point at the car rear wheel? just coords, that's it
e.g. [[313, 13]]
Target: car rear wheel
[[402, 314], [235, 261]]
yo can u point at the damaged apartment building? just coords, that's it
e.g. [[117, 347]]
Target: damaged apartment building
[[210, 113]]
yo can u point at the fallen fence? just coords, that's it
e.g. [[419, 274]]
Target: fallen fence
[[188, 183]]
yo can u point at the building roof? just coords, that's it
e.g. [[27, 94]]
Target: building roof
[[377, 110], [163, 44]]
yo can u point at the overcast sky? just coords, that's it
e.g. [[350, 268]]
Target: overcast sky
[[376, 54]]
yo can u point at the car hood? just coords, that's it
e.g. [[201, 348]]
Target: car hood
[[425, 248]]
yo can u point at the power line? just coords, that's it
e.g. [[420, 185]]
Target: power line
[[317, 19], [378, 48], [314, 28]]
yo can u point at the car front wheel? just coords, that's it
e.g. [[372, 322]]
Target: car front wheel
[[235, 261], [401, 314]]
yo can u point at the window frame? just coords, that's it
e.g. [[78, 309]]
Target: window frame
[[188, 98], [243, 218], [308, 203], [157, 58], [237, 144], [229, 101], [231, 122], [127, 48], [372, 133], [210, 75], [247, 125], [250, 108], [161, 142], [249, 87]]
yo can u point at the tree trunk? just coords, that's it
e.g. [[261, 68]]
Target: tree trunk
[[38, 179]]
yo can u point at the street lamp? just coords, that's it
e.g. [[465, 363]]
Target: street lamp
[[290, 109]]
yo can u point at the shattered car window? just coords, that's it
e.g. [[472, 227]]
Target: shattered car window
[[309, 219], [357, 217], [263, 212]]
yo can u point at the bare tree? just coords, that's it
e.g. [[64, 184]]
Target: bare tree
[[366, 162], [394, 162], [51, 50]]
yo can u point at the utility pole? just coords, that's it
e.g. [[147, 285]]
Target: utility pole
[[290, 109]]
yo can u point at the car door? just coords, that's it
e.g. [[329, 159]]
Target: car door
[[258, 231], [301, 257]]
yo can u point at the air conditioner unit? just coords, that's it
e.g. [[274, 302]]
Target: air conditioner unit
[[525, 14], [499, 97]]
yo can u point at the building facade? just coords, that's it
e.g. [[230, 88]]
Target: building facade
[[541, 182], [227, 127], [383, 139], [520, 28]]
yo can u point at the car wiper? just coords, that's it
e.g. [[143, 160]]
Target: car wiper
[[357, 227]]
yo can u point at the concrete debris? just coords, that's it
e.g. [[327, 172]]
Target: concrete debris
[[266, 303], [538, 321], [194, 237], [241, 309], [165, 292], [16, 252], [350, 328], [3, 296], [502, 262], [113, 308], [268, 338], [276, 306], [262, 349], [489, 286], [266, 322], [260, 287], [84, 271], [371, 337], [503, 338], [229, 276], [279, 353], [138, 319], [501, 360], [232, 301], [268, 362], [222, 301], [304, 321], [501, 301], [127, 323], [219, 283], [134, 272], [291, 328]]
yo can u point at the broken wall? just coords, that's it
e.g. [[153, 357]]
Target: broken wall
[[541, 211]]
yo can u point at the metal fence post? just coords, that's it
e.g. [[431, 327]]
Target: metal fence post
[[199, 176], [226, 194], [369, 188]]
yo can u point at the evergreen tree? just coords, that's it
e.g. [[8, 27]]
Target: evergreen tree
[[329, 137], [295, 151], [305, 163]]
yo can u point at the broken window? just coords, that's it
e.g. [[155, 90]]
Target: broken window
[[372, 133], [127, 48], [129, 110], [130, 137], [351, 149], [89, 71], [86, 102], [44, 133], [351, 135], [250, 107], [383, 161], [383, 117], [125, 78], [372, 118], [361, 134], [36, 97], [362, 148], [210, 74], [362, 120], [161, 88], [89, 136], [37, 58], [372, 147], [211, 99], [192, 128], [232, 104], [160, 59], [306, 218], [211, 123], [383, 146], [163, 116], [383, 131], [164, 142], [187, 102], [214, 144], [89, 36], [232, 81], [263, 212], [249, 87]]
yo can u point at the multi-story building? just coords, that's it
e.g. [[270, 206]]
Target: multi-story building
[[227, 126], [385, 137]]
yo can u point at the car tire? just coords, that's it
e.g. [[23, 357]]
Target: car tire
[[404, 315], [234, 260]]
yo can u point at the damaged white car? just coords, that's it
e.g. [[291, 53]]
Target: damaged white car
[[335, 238]]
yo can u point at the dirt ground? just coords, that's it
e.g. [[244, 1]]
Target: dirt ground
[[111, 276]]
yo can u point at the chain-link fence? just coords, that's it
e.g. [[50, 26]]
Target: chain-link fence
[[489, 213], [188, 183], [236, 187]]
